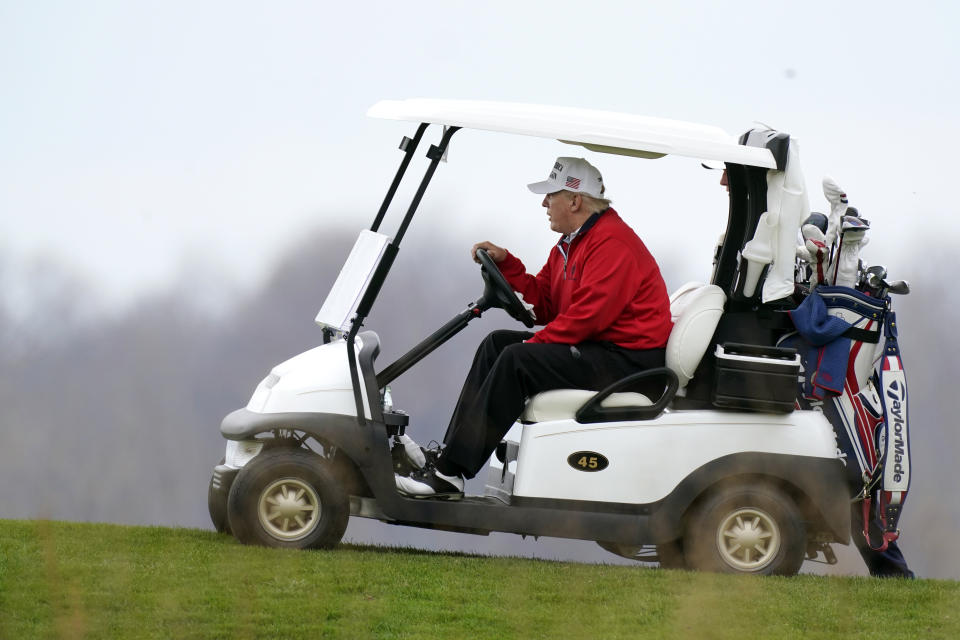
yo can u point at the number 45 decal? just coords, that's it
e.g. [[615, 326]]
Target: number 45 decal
[[588, 461]]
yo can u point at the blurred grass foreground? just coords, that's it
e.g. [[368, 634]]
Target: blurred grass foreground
[[69, 580]]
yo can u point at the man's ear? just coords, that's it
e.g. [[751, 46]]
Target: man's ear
[[576, 202]]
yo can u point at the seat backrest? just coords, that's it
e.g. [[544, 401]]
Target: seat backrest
[[696, 308]]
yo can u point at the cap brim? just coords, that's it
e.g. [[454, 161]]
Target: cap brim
[[716, 165], [544, 187]]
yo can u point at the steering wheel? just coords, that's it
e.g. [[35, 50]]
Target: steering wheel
[[497, 292]]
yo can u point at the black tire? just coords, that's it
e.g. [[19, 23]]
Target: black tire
[[217, 506], [746, 528], [311, 507]]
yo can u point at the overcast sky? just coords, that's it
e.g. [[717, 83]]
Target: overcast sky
[[140, 141]]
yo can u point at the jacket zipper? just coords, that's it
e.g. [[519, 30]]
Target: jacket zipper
[[564, 254]]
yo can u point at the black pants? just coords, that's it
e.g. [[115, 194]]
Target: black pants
[[506, 372]]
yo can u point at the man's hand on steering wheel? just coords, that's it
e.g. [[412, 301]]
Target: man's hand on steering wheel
[[497, 253], [497, 291]]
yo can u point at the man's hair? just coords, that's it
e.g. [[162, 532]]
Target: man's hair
[[594, 204]]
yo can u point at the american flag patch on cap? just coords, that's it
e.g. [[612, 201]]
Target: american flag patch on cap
[[573, 183]]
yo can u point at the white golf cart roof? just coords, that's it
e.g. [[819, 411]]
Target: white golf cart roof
[[602, 131]]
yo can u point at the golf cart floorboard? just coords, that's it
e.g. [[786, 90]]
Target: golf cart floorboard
[[497, 502], [538, 520]]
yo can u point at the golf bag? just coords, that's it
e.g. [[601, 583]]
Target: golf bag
[[839, 330]]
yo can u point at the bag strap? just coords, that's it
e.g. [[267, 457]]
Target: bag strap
[[896, 453], [887, 536], [863, 335]]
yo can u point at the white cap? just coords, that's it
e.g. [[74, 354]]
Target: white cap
[[572, 174]]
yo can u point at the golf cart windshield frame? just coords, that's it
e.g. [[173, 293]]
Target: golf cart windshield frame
[[379, 276]]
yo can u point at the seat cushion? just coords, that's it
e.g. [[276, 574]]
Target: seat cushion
[[563, 404]]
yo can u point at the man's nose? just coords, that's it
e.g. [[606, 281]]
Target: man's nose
[[546, 201]]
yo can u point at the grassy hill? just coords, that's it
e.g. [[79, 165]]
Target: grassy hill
[[67, 580]]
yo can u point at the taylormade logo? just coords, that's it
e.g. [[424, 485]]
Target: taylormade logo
[[896, 393]]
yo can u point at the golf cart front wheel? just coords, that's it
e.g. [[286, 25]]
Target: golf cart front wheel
[[288, 498], [746, 528]]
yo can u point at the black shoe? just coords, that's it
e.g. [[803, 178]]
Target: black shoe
[[430, 484], [410, 459], [431, 453]]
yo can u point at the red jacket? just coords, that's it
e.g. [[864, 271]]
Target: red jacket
[[608, 289]]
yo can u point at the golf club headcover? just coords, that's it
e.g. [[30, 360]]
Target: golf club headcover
[[818, 220], [847, 261], [815, 252], [837, 198]]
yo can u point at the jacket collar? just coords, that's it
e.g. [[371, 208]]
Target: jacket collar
[[586, 226]]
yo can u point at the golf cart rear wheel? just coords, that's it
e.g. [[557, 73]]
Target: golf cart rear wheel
[[288, 498], [746, 528]]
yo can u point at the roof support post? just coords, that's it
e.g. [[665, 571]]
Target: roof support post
[[435, 153], [408, 147]]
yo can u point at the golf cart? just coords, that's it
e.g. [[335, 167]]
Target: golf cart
[[721, 472]]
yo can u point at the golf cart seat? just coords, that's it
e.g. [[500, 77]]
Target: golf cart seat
[[696, 308]]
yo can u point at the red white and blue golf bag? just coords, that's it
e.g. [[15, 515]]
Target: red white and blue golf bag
[[862, 390]]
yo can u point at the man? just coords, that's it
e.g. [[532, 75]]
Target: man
[[606, 313]]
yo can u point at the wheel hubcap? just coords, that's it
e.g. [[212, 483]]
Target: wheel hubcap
[[289, 509], [748, 539]]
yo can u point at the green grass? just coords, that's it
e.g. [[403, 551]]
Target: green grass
[[66, 580]]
